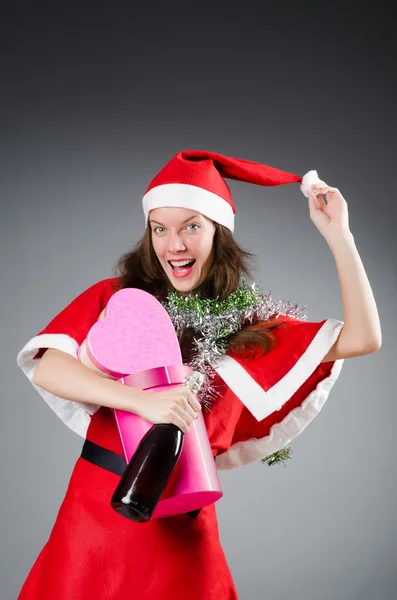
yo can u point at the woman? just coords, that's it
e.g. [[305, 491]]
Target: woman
[[275, 378]]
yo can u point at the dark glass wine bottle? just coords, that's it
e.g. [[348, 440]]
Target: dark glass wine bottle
[[148, 472], [150, 468]]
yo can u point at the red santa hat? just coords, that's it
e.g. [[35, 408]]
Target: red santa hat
[[195, 179]]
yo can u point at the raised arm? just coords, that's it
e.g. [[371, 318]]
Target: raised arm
[[361, 332]]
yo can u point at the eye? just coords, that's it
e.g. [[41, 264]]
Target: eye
[[156, 229], [193, 225]]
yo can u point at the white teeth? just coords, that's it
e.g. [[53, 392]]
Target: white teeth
[[181, 263]]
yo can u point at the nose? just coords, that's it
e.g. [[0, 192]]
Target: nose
[[176, 243]]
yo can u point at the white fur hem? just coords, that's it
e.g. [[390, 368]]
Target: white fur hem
[[262, 404], [281, 434], [75, 415]]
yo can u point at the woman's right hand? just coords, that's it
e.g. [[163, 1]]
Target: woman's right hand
[[177, 405]]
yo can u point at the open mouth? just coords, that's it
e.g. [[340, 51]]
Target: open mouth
[[182, 267]]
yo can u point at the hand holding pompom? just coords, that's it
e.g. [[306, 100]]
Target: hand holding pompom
[[330, 217]]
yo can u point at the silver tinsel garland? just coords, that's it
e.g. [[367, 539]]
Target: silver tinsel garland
[[214, 320]]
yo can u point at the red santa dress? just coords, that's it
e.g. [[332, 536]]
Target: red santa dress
[[93, 553]]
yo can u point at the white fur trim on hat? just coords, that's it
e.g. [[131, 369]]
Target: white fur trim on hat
[[308, 180], [184, 195]]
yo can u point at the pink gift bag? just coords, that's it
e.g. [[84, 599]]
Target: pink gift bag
[[136, 343]]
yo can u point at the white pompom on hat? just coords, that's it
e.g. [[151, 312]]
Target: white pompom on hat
[[194, 179]]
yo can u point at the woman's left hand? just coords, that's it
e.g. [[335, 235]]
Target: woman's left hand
[[331, 218]]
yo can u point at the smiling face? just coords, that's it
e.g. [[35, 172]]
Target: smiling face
[[183, 242]]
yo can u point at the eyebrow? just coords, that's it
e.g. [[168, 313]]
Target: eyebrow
[[183, 222]]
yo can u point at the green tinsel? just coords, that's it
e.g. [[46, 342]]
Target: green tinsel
[[278, 457], [215, 320]]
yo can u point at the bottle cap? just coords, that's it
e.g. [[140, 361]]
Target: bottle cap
[[194, 381]]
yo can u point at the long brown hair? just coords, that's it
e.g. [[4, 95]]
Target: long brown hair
[[140, 268]]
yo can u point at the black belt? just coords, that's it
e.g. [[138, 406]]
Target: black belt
[[115, 463]]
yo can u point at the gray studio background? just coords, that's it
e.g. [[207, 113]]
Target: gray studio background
[[94, 102]]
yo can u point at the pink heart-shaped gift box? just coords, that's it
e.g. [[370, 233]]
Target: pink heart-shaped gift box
[[136, 342]]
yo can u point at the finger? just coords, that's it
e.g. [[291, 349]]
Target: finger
[[190, 398], [314, 202], [321, 192], [184, 414], [323, 188], [193, 410], [320, 198], [189, 410], [319, 184], [194, 403], [179, 422]]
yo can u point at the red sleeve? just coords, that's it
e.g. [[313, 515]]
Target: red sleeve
[[77, 318], [282, 392], [66, 332]]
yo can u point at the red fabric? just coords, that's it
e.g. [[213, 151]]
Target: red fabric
[[77, 318], [95, 554], [292, 339], [248, 427], [207, 170]]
